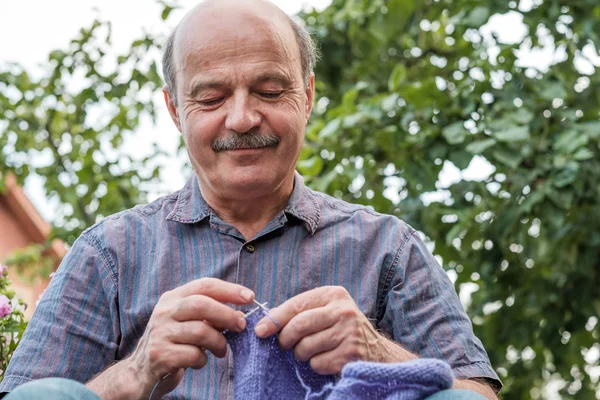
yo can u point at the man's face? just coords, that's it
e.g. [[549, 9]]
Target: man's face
[[242, 105]]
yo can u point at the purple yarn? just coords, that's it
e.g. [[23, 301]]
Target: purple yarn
[[410, 380], [263, 371]]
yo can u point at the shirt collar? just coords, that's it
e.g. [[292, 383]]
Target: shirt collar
[[191, 207]]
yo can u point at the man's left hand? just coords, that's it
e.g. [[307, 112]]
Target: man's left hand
[[325, 326]]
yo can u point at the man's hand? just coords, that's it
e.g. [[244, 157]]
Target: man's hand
[[185, 323], [325, 326]]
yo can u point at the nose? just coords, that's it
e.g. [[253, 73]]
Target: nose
[[242, 115]]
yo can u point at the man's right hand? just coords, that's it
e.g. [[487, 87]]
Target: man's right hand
[[185, 323]]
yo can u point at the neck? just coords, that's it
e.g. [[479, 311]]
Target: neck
[[249, 214]]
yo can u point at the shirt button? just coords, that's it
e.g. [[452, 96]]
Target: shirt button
[[250, 248]]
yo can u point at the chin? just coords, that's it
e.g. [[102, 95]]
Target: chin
[[253, 185]]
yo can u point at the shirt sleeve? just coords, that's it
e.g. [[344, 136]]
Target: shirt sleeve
[[74, 330], [423, 313]]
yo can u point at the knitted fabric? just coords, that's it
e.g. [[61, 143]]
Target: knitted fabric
[[411, 380], [263, 371]]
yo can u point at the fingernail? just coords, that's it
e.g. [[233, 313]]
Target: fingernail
[[241, 323], [247, 295], [261, 330]]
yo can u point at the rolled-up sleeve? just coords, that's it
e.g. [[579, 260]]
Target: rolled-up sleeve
[[423, 313], [74, 331]]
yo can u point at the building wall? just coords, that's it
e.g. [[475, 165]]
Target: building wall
[[14, 234]]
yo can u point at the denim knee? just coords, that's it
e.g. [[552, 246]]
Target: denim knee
[[52, 389], [456, 394]]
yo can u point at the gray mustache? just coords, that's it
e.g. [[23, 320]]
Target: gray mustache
[[250, 140]]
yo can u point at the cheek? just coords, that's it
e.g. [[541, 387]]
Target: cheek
[[199, 129]]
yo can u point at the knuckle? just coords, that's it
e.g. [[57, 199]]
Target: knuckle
[[154, 354], [338, 292], [347, 312], [197, 304], [164, 297], [298, 306], [161, 310], [205, 285], [303, 325], [201, 330]]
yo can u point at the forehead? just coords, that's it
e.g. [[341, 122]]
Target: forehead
[[213, 41]]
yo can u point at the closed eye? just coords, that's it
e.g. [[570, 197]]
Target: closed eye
[[270, 95], [210, 103]]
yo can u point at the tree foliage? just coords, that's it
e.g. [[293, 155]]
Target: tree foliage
[[405, 89], [68, 122]]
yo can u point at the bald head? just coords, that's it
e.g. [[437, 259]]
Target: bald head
[[211, 16]]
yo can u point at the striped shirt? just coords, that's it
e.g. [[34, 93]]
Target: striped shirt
[[100, 300]]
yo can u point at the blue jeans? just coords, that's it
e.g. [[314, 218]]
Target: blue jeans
[[65, 389]]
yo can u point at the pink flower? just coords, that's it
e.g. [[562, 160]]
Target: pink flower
[[5, 307], [3, 269]]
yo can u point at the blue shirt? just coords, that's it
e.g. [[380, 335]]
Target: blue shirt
[[100, 300]]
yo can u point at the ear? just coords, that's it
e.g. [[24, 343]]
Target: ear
[[169, 101], [310, 95]]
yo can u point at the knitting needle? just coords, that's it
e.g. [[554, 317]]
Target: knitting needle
[[260, 306]]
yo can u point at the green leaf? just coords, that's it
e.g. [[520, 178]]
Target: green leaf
[[569, 141], [510, 158], [567, 175], [522, 116], [166, 12], [480, 146], [515, 134], [330, 129], [455, 133], [591, 128], [310, 167], [552, 90], [477, 17], [583, 154], [397, 77]]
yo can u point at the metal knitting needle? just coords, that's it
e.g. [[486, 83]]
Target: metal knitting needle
[[260, 306]]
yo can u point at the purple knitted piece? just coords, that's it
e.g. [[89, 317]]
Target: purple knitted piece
[[263, 371], [411, 380]]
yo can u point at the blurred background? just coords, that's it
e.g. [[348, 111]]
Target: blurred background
[[477, 122]]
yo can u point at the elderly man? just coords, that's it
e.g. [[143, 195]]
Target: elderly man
[[147, 292]]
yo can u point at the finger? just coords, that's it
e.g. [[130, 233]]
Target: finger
[[225, 292], [176, 356], [317, 343], [305, 324], [168, 384], [200, 362], [200, 334], [204, 308], [314, 298], [328, 363]]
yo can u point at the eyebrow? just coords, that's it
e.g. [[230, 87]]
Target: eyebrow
[[200, 86], [273, 77]]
